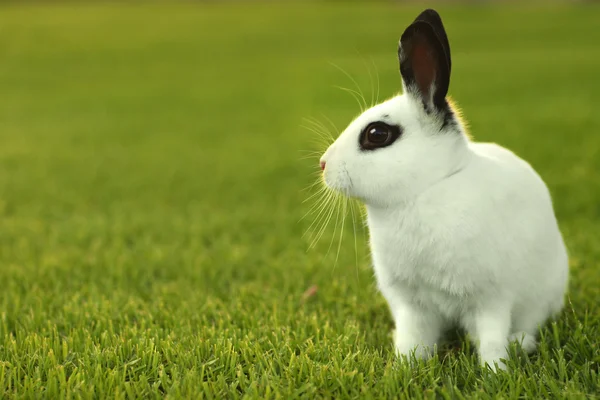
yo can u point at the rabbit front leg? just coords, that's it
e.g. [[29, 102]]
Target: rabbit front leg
[[417, 330], [490, 327]]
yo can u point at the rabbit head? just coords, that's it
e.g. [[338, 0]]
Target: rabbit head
[[398, 148]]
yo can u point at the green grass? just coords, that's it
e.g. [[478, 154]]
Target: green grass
[[151, 180]]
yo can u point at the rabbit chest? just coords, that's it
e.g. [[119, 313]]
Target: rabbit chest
[[426, 261]]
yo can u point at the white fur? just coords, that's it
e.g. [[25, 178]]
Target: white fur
[[461, 233]]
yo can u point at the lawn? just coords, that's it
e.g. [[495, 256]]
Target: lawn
[[152, 176]]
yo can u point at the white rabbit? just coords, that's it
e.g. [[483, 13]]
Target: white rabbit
[[461, 233]]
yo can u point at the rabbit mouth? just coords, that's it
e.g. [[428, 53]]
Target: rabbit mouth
[[339, 181]]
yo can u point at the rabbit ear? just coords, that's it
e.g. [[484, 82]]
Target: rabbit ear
[[424, 55]]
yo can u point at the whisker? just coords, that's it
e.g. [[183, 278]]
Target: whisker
[[323, 136], [344, 213], [320, 142], [318, 206], [316, 174], [377, 76], [309, 151], [337, 217], [316, 128], [322, 209], [370, 77], [354, 94], [353, 81], [335, 128], [311, 156], [318, 192], [327, 220], [319, 125], [311, 186], [329, 215], [355, 240]]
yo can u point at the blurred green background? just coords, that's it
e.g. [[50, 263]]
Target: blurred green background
[[151, 194]]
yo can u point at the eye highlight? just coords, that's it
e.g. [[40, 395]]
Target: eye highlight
[[378, 134]]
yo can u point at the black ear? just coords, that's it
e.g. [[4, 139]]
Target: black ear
[[424, 55]]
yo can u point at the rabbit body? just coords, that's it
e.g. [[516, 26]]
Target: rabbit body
[[480, 249]]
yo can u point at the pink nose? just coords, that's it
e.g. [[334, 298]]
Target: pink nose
[[322, 165]]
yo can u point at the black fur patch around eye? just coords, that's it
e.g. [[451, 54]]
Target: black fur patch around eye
[[377, 135]]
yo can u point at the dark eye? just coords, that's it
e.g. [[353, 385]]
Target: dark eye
[[378, 134]]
